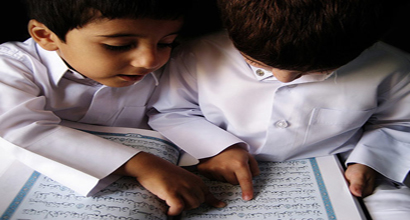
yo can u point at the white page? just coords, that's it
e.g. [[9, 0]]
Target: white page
[[292, 190], [6, 159], [42, 198], [11, 183], [344, 203], [6, 162], [47, 199], [184, 159], [284, 191]]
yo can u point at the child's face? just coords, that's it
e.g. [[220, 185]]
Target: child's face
[[119, 52], [280, 74]]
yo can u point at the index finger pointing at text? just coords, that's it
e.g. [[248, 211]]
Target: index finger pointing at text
[[244, 177]]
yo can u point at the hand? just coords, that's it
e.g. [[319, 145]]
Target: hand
[[361, 179], [233, 165], [179, 188]]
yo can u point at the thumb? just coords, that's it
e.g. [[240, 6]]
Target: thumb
[[356, 187], [176, 205], [214, 202], [361, 179]]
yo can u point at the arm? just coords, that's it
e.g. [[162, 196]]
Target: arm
[[177, 110], [178, 116], [385, 143], [39, 141]]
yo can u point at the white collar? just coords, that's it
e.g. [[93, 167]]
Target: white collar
[[265, 75], [56, 67]]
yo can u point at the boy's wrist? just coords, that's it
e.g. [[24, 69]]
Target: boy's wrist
[[134, 166]]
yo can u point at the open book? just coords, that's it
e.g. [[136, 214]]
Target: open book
[[301, 189]]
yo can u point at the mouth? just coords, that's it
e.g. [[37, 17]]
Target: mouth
[[131, 78]]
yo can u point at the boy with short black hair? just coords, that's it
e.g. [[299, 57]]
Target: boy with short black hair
[[291, 79], [92, 62]]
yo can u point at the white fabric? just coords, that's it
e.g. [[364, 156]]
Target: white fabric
[[389, 202], [38, 90], [209, 99]]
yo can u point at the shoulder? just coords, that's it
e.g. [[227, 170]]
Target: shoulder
[[382, 66], [209, 45], [211, 54], [384, 58], [19, 61], [19, 54], [18, 50], [380, 60]]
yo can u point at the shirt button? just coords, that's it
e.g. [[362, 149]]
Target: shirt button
[[281, 124], [260, 72]]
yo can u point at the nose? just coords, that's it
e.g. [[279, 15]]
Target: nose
[[147, 58], [286, 75]]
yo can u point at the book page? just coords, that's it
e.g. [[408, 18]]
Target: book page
[[183, 159], [43, 198], [340, 197], [291, 190], [144, 140], [47, 199]]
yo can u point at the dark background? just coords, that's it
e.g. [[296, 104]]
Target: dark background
[[13, 26]]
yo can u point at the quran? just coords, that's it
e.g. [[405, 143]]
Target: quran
[[312, 188]]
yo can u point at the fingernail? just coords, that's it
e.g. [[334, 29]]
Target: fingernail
[[221, 204]]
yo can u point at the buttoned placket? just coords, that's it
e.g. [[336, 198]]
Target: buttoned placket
[[261, 74], [282, 129], [279, 124]]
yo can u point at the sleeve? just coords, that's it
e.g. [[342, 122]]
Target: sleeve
[[33, 135], [385, 144], [177, 114]]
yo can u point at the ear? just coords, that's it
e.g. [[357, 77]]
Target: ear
[[42, 35]]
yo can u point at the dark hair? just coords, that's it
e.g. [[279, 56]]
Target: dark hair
[[61, 16], [305, 35]]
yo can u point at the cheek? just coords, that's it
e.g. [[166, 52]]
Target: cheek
[[163, 57], [98, 66], [104, 61]]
